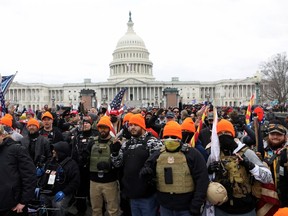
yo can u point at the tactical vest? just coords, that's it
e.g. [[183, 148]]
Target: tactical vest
[[100, 152], [181, 180], [237, 175]]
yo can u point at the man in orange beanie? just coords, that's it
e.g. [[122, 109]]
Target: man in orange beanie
[[51, 132], [188, 130], [103, 175], [177, 196], [131, 157], [237, 166], [38, 146]]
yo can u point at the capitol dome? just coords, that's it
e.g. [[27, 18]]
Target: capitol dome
[[131, 58]]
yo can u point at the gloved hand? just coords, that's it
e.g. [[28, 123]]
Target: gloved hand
[[214, 167], [103, 165], [146, 173], [246, 163], [59, 196], [39, 171], [115, 147], [196, 211]]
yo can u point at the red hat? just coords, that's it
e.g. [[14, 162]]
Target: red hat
[[105, 120], [172, 128], [114, 112], [47, 114], [138, 119], [74, 112], [30, 112], [33, 121], [7, 120], [188, 125], [225, 126]]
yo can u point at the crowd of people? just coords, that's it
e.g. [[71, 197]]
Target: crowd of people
[[144, 161]]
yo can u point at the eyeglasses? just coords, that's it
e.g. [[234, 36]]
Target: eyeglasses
[[176, 111]]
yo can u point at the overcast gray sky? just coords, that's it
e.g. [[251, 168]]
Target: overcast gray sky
[[63, 41]]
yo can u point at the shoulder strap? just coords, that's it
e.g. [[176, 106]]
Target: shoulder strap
[[243, 150], [63, 163]]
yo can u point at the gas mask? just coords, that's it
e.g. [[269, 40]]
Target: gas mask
[[171, 144]]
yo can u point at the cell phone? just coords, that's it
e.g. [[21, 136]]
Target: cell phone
[[168, 175]]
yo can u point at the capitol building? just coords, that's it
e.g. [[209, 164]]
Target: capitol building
[[132, 68]]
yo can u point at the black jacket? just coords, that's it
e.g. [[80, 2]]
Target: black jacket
[[38, 146], [18, 176], [67, 171]]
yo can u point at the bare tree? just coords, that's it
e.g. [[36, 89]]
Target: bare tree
[[275, 75]]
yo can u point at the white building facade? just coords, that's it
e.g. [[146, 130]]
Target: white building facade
[[132, 68]]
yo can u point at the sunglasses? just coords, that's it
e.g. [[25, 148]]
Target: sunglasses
[[171, 137]]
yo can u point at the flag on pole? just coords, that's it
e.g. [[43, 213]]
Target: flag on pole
[[268, 202], [116, 103], [5, 83], [249, 110], [3, 107], [194, 139], [215, 145]]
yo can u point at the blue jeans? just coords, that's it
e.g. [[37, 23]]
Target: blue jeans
[[144, 206], [168, 212]]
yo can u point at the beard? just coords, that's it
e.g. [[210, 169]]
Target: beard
[[104, 134], [277, 145], [136, 133]]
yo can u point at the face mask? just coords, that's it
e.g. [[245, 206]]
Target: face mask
[[227, 143], [171, 144], [113, 119]]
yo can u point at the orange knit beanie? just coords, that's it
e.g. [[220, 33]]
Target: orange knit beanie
[[172, 128], [225, 126], [33, 121], [47, 114], [127, 117], [138, 119], [188, 125], [105, 120], [7, 120]]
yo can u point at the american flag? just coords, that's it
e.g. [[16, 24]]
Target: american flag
[[117, 101], [5, 83]]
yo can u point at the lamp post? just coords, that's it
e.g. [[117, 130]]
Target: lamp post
[[208, 97], [257, 80], [53, 101], [156, 100]]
